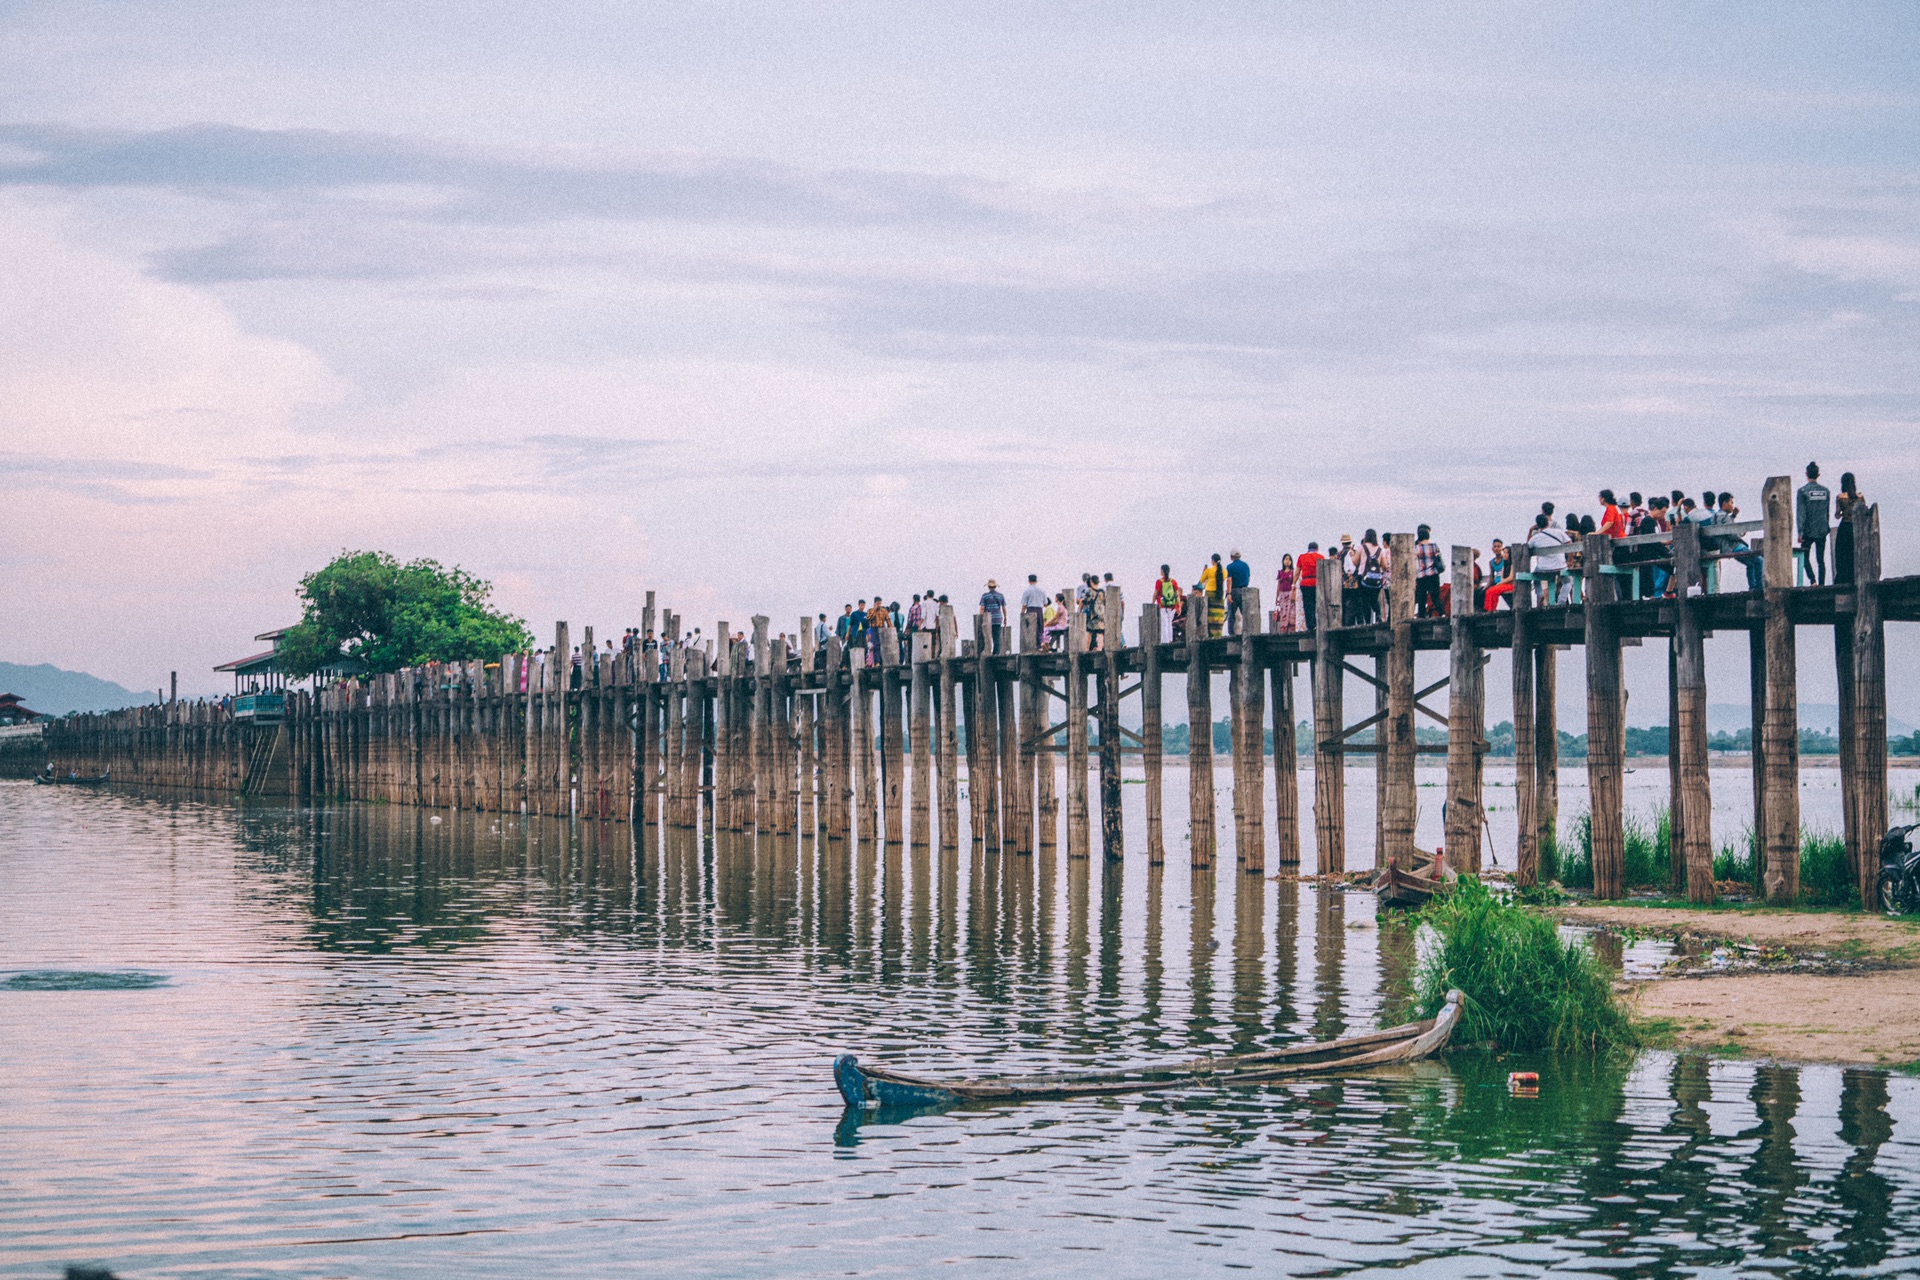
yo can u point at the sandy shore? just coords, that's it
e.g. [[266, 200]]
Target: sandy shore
[[1811, 986]]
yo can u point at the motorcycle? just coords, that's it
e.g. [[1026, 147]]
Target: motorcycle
[[1899, 884]]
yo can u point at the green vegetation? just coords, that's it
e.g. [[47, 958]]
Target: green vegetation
[[368, 606], [1527, 988], [1825, 878]]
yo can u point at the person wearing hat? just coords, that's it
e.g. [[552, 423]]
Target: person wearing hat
[[1350, 561], [994, 605]]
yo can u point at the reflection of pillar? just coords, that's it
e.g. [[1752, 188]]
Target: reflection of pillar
[[1112, 900], [1329, 962], [1249, 953], [1866, 1195], [1200, 949], [1774, 1174], [1286, 952], [1152, 967]]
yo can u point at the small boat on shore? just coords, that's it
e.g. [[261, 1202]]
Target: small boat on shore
[[71, 779], [864, 1086], [1413, 886]]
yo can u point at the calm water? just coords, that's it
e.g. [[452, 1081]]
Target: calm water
[[362, 1042]]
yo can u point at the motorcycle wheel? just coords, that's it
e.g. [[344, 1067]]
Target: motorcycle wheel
[[1893, 892]]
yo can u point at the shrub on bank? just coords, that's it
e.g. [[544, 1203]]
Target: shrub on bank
[[1825, 878], [1527, 988]]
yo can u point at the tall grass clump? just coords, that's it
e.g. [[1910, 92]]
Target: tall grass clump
[[1825, 878], [1644, 859], [1738, 861], [1527, 989]]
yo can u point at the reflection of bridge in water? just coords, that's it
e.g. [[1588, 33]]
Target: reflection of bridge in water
[[778, 737]]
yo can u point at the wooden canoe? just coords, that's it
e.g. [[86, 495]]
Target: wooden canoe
[[1413, 886], [871, 1087], [71, 780]]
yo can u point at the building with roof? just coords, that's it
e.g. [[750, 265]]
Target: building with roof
[[12, 712]]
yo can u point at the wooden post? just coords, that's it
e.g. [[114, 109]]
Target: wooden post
[[986, 711], [946, 648], [1199, 737], [1023, 790], [1152, 729], [833, 740], [1286, 769], [1014, 786], [779, 735], [1546, 747], [1606, 740], [1079, 835], [1329, 720], [1526, 776], [921, 690], [1781, 728], [1248, 696], [1692, 802], [760, 727], [892, 754], [1467, 718], [1866, 789], [1396, 757], [866, 803], [1113, 613], [806, 713]]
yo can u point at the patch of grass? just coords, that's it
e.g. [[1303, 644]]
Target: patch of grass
[[1644, 858], [1527, 989], [1825, 878], [1736, 861]]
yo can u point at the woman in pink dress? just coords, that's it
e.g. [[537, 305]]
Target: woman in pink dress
[[1286, 598]]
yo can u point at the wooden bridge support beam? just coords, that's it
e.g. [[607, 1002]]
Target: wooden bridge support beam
[[947, 760], [1079, 819], [1606, 733], [1526, 773], [1247, 696], [1152, 733], [892, 740], [1692, 801], [1113, 613], [1200, 819], [1396, 757], [920, 690], [1329, 719], [1015, 785], [1780, 730], [1864, 780], [1286, 769], [1028, 757], [1467, 720]]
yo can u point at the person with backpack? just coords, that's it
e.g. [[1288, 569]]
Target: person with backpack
[[1375, 566], [1351, 604], [1166, 594]]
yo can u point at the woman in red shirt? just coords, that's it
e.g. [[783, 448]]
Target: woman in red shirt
[[1307, 576], [1613, 521]]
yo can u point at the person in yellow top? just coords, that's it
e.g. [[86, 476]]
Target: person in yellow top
[[1213, 581]]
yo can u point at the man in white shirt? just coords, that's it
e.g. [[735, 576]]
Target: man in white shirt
[[1548, 560]]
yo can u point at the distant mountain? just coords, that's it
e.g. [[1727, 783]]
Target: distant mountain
[[48, 689], [1732, 717]]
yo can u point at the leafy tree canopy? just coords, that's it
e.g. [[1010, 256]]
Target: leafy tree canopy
[[367, 605]]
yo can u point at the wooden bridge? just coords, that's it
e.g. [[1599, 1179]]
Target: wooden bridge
[[782, 736]]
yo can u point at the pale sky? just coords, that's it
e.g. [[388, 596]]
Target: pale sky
[[770, 307]]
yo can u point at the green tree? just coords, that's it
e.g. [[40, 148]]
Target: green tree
[[367, 605]]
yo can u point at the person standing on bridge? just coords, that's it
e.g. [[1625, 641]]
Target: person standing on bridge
[[1213, 581], [1376, 565], [1166, 594], [1239, 577], [1426, 575], [1308, 570], [1286, 605], [1813, 512], [1033, 601], [994, 606]]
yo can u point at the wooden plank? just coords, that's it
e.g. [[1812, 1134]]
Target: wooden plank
[[1152, 733], [1329, 716], [1781, 728], [1113, 616], [1466, 721], [1606, 735], [1200, 814]]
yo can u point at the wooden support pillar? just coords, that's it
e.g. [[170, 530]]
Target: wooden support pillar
[[1606, 736], [892, 804], [1467, 719], [1248, 696], [921, 690], [1546, 747], [1032, 719], [945, 653], [1397, 742], [1865, 790], [1286, 769], [807, 714], [1329, 720], [1152, 731], [700, 728], [1780, 728], [779, 733], [1079, 835], [1199, 737], [1692, 802], [833, 740], [866, 803], [1526, 775], [1014, 787], [1112, 639]]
